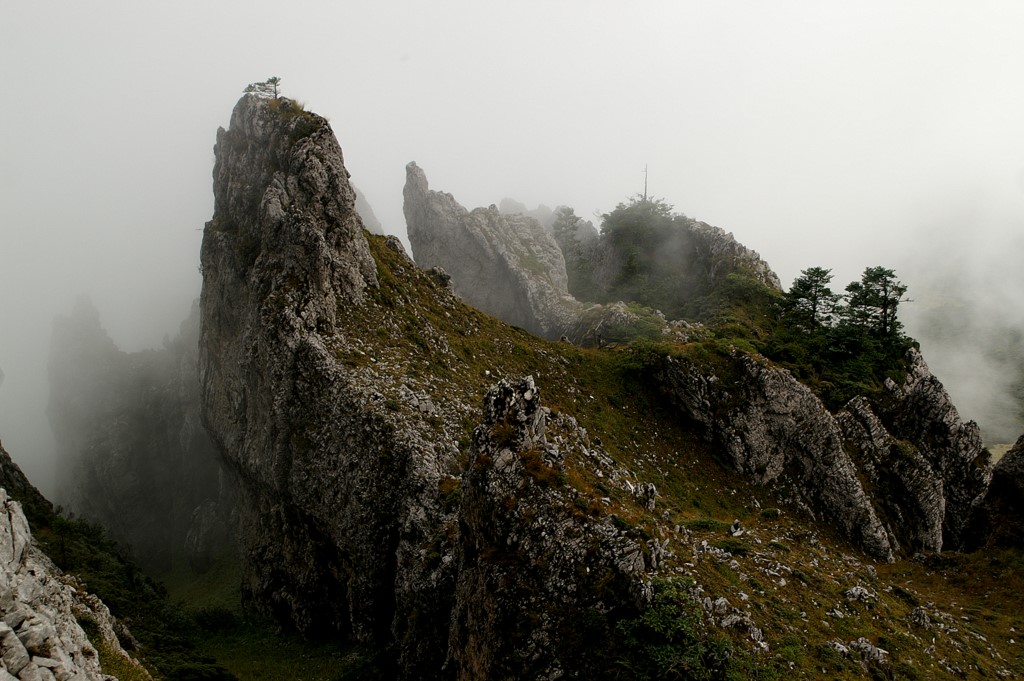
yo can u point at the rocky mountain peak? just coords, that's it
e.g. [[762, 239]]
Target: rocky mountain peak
[[922, 412], [280, 178], [284, 249], [506, 265]]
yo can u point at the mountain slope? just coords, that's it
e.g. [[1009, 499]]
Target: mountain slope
[[480, 502]]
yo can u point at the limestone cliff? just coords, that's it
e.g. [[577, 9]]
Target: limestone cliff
[[719, 253], [775, 431], [41, 608], [506, 265], [335, 386], [510, 266], [333, 495], [133, 455], [897, 477], [529, 568]]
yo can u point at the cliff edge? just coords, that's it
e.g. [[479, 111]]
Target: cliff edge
[[337, 386], [506, 265], [43, 609]]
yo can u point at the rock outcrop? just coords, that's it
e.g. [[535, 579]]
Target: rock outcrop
[[676, 264], [998, 520], [774, 430], [378, 501], [41, 635], [506, 265], [905, 488], [133, 455], [718, 252], [510, 265], [12, 479], [925, 469], [529, 569], [334, 498], [920, 411], [358, 515]]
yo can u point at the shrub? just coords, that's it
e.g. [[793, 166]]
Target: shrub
[[670, 640]]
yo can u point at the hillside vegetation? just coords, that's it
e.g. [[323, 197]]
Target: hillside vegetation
[[795, 594], [805, 590]]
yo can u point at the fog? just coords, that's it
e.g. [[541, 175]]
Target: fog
[[818, 134]]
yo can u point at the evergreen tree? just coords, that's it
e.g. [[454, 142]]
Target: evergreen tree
[[578, 254], [810, 302], [564, 226], [872, 302]]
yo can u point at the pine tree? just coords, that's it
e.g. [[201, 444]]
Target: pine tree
[[810, 302]]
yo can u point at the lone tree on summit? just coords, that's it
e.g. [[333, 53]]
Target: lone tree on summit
[[265, 88]]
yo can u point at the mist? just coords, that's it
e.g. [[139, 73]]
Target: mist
[[819, 135]]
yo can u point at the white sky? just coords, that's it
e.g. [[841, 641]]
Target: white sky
[[827, 134]]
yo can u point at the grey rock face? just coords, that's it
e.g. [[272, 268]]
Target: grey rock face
[[506, 265], [35, 505], [774, 430], [722, 254], [524, 557], [354, 515], [134, 456], [685, 268], [999, 519], [921, 411], [910, 499], [40, 636], [334, 496], [925, 467], [509, 265]]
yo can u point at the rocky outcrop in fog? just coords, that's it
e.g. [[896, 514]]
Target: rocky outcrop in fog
[[506, 265], [40, 632], [379, 502], [998, 520], [670, 262], [719, 254], [330, 492], [525, 557], [13, 480], [354, 515], [920, 411], [133, 455], [925, 468]]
